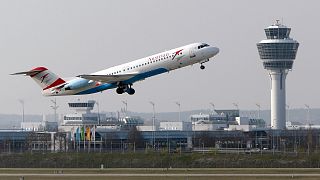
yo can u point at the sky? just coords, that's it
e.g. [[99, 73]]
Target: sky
[[77, 37]]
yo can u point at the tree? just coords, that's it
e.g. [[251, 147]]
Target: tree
[[135, 137]]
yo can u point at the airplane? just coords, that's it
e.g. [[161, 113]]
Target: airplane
[[122, 76]]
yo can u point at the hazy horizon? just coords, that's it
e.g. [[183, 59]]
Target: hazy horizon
[[295, 115]]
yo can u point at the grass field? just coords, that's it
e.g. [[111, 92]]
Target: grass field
[[159, 178], [160, 170], [157, 160], [159, 174]]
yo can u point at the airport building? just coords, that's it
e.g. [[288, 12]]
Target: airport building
[[175, 126], [82, 114], [223, 130], [40, 126], [247, 124], [219, 120]]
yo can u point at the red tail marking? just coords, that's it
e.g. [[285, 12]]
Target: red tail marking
[[39, 69], [56, 83]]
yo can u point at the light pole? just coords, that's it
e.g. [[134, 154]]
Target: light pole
[[54, 107], [22, 104], [126, 106], [179, 105], [213, 107], [98, 106], [259, 109], [308, 114], [153, 121], [237, 107], [94, 133], [288, 108]]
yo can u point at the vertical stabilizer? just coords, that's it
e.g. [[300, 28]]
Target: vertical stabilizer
[[44, 77]]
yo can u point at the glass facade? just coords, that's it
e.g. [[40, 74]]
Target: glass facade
[[278, 64], [81, 104], [277, 33], [84, 118], [278, 50], [90, 118], [72, 118]]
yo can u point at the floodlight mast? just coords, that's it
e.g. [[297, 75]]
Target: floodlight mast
[[179, 105]]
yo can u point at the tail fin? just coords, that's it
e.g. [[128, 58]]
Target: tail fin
[[45, 78]]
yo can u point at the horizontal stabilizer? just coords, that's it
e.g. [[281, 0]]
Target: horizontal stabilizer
[[28, 73], [108, 78]]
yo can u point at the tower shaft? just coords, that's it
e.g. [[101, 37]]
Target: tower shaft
[[278, 98]]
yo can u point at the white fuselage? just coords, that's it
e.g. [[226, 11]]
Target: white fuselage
[[142, 68]]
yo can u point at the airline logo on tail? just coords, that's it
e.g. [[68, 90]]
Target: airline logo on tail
[[43, 77]]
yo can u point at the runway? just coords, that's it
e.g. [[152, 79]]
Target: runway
[[157, 175]]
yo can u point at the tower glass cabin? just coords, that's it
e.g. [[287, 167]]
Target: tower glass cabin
[[277, 53]]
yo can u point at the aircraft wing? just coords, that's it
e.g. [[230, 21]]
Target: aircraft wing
[[108, 78]]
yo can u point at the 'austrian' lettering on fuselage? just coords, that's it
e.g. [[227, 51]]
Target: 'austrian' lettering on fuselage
[[159, 56]]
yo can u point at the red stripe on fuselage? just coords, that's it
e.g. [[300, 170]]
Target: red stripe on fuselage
[[56, 83]]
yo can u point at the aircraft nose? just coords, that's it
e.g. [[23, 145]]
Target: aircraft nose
[[214, 50]]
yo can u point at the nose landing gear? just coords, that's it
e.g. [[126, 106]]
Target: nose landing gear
[[202, 66]]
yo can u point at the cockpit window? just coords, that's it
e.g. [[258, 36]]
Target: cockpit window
[[202, 46]]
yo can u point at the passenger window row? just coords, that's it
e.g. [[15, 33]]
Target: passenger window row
[[144, 64]]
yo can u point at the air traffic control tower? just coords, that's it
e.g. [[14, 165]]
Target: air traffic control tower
[[277, 53]]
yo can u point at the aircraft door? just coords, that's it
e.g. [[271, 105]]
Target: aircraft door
[[192, 53]]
